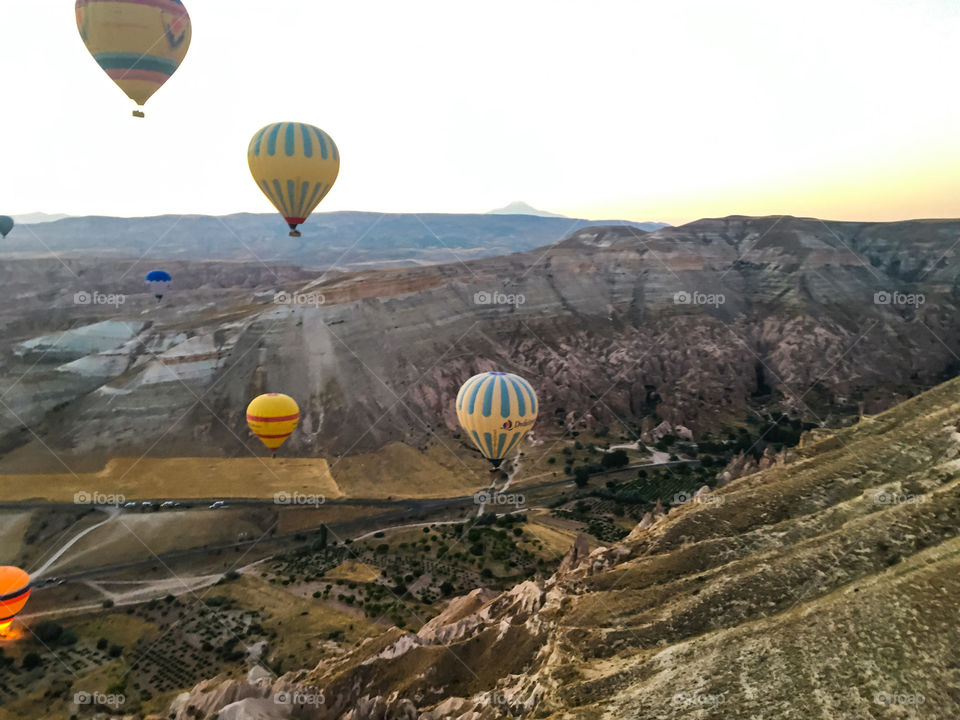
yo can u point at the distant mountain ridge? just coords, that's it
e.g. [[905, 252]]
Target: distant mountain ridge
[[519, 207], [339, 239], [38, 217]]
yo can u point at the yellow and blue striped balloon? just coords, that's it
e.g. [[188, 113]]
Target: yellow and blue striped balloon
[[295, 165], [496, 409], [138, 43]]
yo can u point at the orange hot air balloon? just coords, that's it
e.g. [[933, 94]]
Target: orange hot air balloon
[[272, 418], [14, 592]]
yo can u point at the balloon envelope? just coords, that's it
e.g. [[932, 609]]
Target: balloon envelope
[[14, 593], [138, 43], [159, 282], [272, 418], [6, 225], [496, 409], [295, 165]]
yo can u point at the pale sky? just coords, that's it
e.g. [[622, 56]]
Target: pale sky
[[666, 110]]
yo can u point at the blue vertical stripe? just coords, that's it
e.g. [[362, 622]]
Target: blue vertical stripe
[[269, 192], [476, 440], [487, 409], [323, 143], [488, 439], [292, 194], [304, 189], [513, 442], [500, 442], [283, 202], [307, 142], [315, 197], [289, 146], [256, 144], [521, 403], [466, 389], [504, 397], [272, 140], [474, 391]]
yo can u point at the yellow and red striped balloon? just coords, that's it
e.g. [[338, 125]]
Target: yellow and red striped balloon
[[272, 418], [138, 43], [14, 593]]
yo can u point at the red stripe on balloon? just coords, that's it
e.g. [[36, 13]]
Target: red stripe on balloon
[[257, 418]]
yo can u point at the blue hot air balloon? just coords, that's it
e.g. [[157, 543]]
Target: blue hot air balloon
[[159, 282], [6, 225]]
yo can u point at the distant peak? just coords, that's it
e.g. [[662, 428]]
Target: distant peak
[[518, 207]]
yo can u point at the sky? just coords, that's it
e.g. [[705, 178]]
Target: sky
[[640, 110]]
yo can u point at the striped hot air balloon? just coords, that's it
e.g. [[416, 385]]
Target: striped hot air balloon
[[272, 418], [138, 43], [295, 165], [14, 593], [496, 409]]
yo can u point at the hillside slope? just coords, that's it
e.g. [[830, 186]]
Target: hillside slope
[[825, 587], [703, 325]]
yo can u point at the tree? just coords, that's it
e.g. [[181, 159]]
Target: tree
[[48, 631], [31, 661], [581, 475], [615, 459]]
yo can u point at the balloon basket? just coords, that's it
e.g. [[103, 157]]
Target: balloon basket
[[294, 233], [138, 113]]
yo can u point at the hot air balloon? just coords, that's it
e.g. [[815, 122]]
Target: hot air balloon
[[496, 409], [272, 418], [6, 225], [138, 43], [159, 282], [14, 592], [295, 165]]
